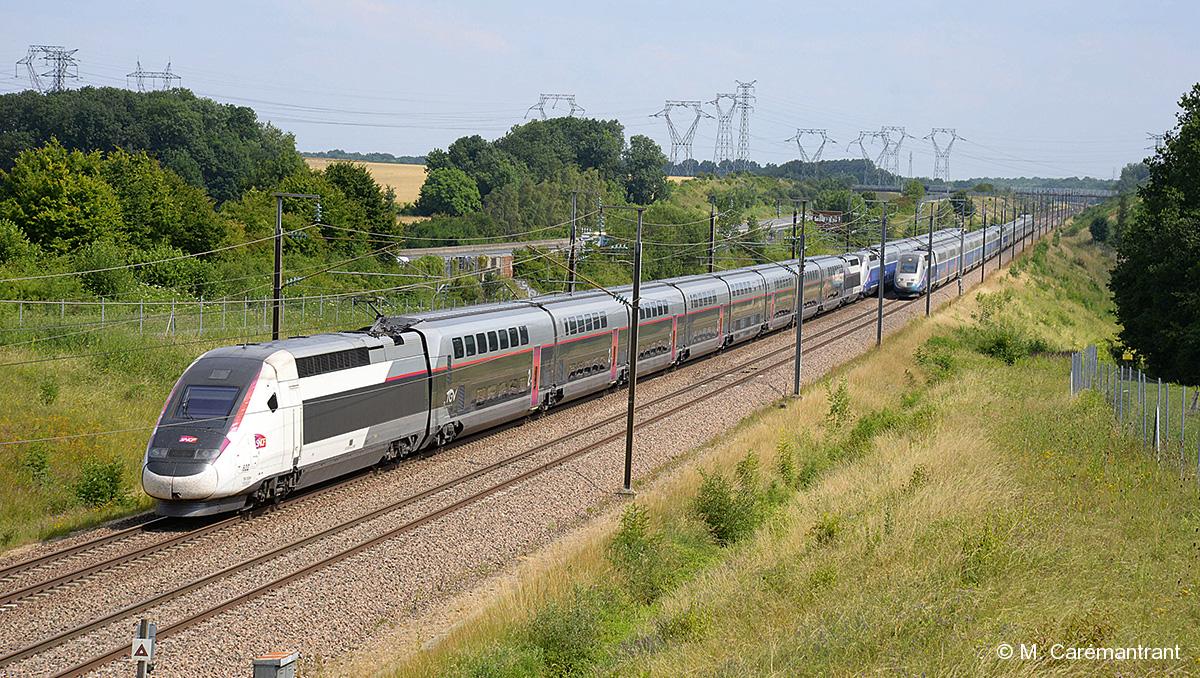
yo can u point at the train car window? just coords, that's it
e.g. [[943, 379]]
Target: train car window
[[604, 320], [524, 335], [205, 402], [481, 342], [493, 344], [503, 336], [571, 326], [458, 347], [513, 339], [470, 344]]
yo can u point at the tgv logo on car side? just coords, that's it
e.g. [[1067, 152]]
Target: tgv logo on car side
[[260, 441], [188, 439]]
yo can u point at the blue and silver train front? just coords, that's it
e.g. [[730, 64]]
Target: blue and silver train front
[[197, 424], [910, 274]]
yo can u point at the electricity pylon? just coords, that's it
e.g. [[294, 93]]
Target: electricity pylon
[[553, 100], [681, 144], [941, 156]]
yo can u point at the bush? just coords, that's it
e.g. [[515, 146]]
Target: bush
[[48, 390], [36, 464], [1099, 229], [101, 483], [839, 403], [95, 258], [731, 514], [997, 335], [567, 632], [637, 554], [936, 358]]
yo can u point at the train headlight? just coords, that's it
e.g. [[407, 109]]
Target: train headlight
[[158, 452], [208, 454]]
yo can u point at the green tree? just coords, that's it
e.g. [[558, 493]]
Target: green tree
[[964, 206], [1157, 275], [1099, 228], [1132, 175], [914, 190], [449, 190], [221, 148], [356, 183], [645, 180], [58, 198]]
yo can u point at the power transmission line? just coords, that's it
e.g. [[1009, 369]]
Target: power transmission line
[[889, 158], [681, 143], [941, 156], [167, 79], [745, 95], [724, 146], [61, 61], [553, 100], [799, 139]]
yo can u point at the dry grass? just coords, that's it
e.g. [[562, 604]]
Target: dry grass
[[678, 179], [406, 180]]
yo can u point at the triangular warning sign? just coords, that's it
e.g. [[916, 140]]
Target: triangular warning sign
[[140, 651]]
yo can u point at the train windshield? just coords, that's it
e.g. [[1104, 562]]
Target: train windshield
[[908, 264], [206, 402]]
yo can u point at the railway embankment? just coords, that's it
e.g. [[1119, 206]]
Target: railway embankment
[[942, 505]]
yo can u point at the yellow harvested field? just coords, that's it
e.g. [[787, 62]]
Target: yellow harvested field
[[678, 180], [406, 180]]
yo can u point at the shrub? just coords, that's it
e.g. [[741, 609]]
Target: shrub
[[936, 358], [997, 335], [48, 390], [501, 661], [36, 464], [100, 483], [839, 403], [637, 554], [785, 462], [731, 513], [826, 529], [567, 632]]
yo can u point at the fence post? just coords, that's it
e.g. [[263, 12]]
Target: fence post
[[1157, 432], [224, 310], [201, 332], [1142, 404], [141, 315], [20, 313], [101, 310], [172, 320], [63, 313]]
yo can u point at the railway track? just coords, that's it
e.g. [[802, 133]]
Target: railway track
[[11, 572], [738, 373], [847, 327], [14, 596]]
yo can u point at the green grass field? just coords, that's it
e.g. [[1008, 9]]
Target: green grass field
[[930, 503]]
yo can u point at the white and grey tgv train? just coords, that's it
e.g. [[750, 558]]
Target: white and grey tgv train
[[920, 268], [251, 423]]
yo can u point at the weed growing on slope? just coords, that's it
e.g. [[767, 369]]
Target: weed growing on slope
[[838, 395], [101, 483]]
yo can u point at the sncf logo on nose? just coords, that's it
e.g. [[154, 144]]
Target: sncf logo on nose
[[260, 440], [188, 439]]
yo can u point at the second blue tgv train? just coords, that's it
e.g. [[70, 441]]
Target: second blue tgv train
[[251, 423]]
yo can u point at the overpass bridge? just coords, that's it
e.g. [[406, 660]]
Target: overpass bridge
[[497, 255]]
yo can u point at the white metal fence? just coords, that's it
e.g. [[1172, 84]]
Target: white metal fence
[[1163, 416]]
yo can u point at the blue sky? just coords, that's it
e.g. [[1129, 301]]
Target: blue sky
[[1047, 88]]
